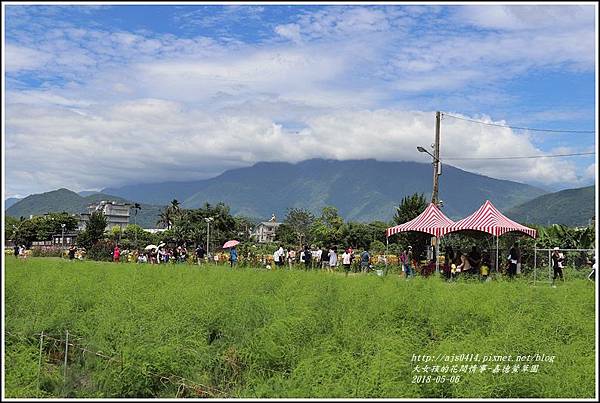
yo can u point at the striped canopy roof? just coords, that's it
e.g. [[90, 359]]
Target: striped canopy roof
[[431, 221], [489, 219]]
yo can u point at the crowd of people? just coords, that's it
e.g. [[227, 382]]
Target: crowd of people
[[453, 265], [154, 255]]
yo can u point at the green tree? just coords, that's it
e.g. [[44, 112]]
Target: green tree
[[410, 207], [11, 224], [327, 228], [191, 225], [243, 227], [295, 230], [94, 230], [41, 228]]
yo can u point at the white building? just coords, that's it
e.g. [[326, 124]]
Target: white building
[[116, 213], [265, 231]]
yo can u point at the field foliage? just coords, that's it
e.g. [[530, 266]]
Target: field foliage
[[257, 333]]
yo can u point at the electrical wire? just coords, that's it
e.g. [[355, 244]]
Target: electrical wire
[[517, 127], [515, 157]]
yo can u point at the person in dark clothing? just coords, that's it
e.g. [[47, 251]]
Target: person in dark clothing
[[72, 250], [324, 258], [307, 257], [518, 256], [200, 253], [512, 262], [557, 264], [474, 259], [16, 251], [448, 260]]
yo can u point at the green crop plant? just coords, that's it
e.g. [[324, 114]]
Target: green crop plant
[[213, 331]]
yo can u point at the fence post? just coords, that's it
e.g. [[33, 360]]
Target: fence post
[[534, 262], [40, 361], [66, 353], [549, 265]]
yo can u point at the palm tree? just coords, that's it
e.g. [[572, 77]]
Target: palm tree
[[165, 218]]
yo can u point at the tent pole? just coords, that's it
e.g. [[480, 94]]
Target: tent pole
[[496, 254], [387, 244], [437, 255]]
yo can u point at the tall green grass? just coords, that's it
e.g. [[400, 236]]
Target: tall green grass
[[257, 333]]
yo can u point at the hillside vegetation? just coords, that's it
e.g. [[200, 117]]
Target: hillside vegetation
[[66, 200], [362, 190], [571, 207]]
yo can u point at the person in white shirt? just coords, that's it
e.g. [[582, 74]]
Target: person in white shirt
[[592, 275], [347, 260], [291, 257], [279, 256], [332, 258]]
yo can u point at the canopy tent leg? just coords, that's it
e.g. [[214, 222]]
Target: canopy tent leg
[[496, 268], [387, 244], [437, 255]]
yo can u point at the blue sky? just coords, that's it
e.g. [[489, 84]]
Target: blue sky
[[146, 93]]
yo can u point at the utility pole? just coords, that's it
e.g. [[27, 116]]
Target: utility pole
[[436, 160], [436, 184]]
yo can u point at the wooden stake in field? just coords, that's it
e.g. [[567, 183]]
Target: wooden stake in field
[[40, 362], [66, 353]]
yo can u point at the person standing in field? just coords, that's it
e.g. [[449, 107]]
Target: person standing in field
[[512, 262], [484, 270], [347, 260], [475, 259], [409, 262], [324, 258], [365, 259], [16, 251], [307, 257], [332, 255], [116, 254], [557, 264], [403, 260], [200, 252], [72, 250], [291, 257], [464, 266], [518, 256], [233, 256], [592, 275]]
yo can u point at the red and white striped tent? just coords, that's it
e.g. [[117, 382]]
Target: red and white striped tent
[[431, 221], [489, 219]]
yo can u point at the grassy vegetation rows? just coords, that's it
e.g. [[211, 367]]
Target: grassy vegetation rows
[[252, 333]]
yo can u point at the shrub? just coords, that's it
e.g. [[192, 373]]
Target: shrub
[[47, 251], [101, 250]]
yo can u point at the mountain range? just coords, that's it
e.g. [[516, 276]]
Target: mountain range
[[572, 207], [66, 200], [362, 190]]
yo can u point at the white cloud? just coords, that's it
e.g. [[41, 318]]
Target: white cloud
[[22, 58], [528, 17], [150, 140], [289, 31], [143, 107]]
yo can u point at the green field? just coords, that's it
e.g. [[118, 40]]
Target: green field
[[215, 332]]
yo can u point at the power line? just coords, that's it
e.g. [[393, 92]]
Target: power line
[[516, 157], [517, 127]]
